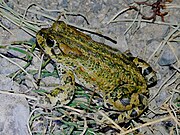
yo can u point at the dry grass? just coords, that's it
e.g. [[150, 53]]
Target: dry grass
[[72, 119]]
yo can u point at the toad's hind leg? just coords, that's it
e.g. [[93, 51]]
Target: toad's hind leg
[[63, 94], [132, 108], [130, 114]]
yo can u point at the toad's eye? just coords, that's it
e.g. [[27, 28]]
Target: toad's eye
[[50, 42]]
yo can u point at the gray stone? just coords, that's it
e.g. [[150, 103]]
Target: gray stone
[[14, 110], [167, 58]]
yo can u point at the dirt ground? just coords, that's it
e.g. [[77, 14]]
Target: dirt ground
[[129, 25]]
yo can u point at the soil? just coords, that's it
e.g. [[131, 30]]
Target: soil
[[155, 42]]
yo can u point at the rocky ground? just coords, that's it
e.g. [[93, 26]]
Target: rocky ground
[[156, 42]]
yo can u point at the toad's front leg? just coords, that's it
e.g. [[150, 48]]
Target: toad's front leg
[[63, 94]]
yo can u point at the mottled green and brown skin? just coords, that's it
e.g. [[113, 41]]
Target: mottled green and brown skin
[[96, 66]]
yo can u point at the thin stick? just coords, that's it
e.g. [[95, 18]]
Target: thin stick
[[146, 124], [161, 45], [116, 15], [6, 28], [109, 119], [162, 86], [85, 127], [17, 94], [147, 21], [175, 119], [29, 76]]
